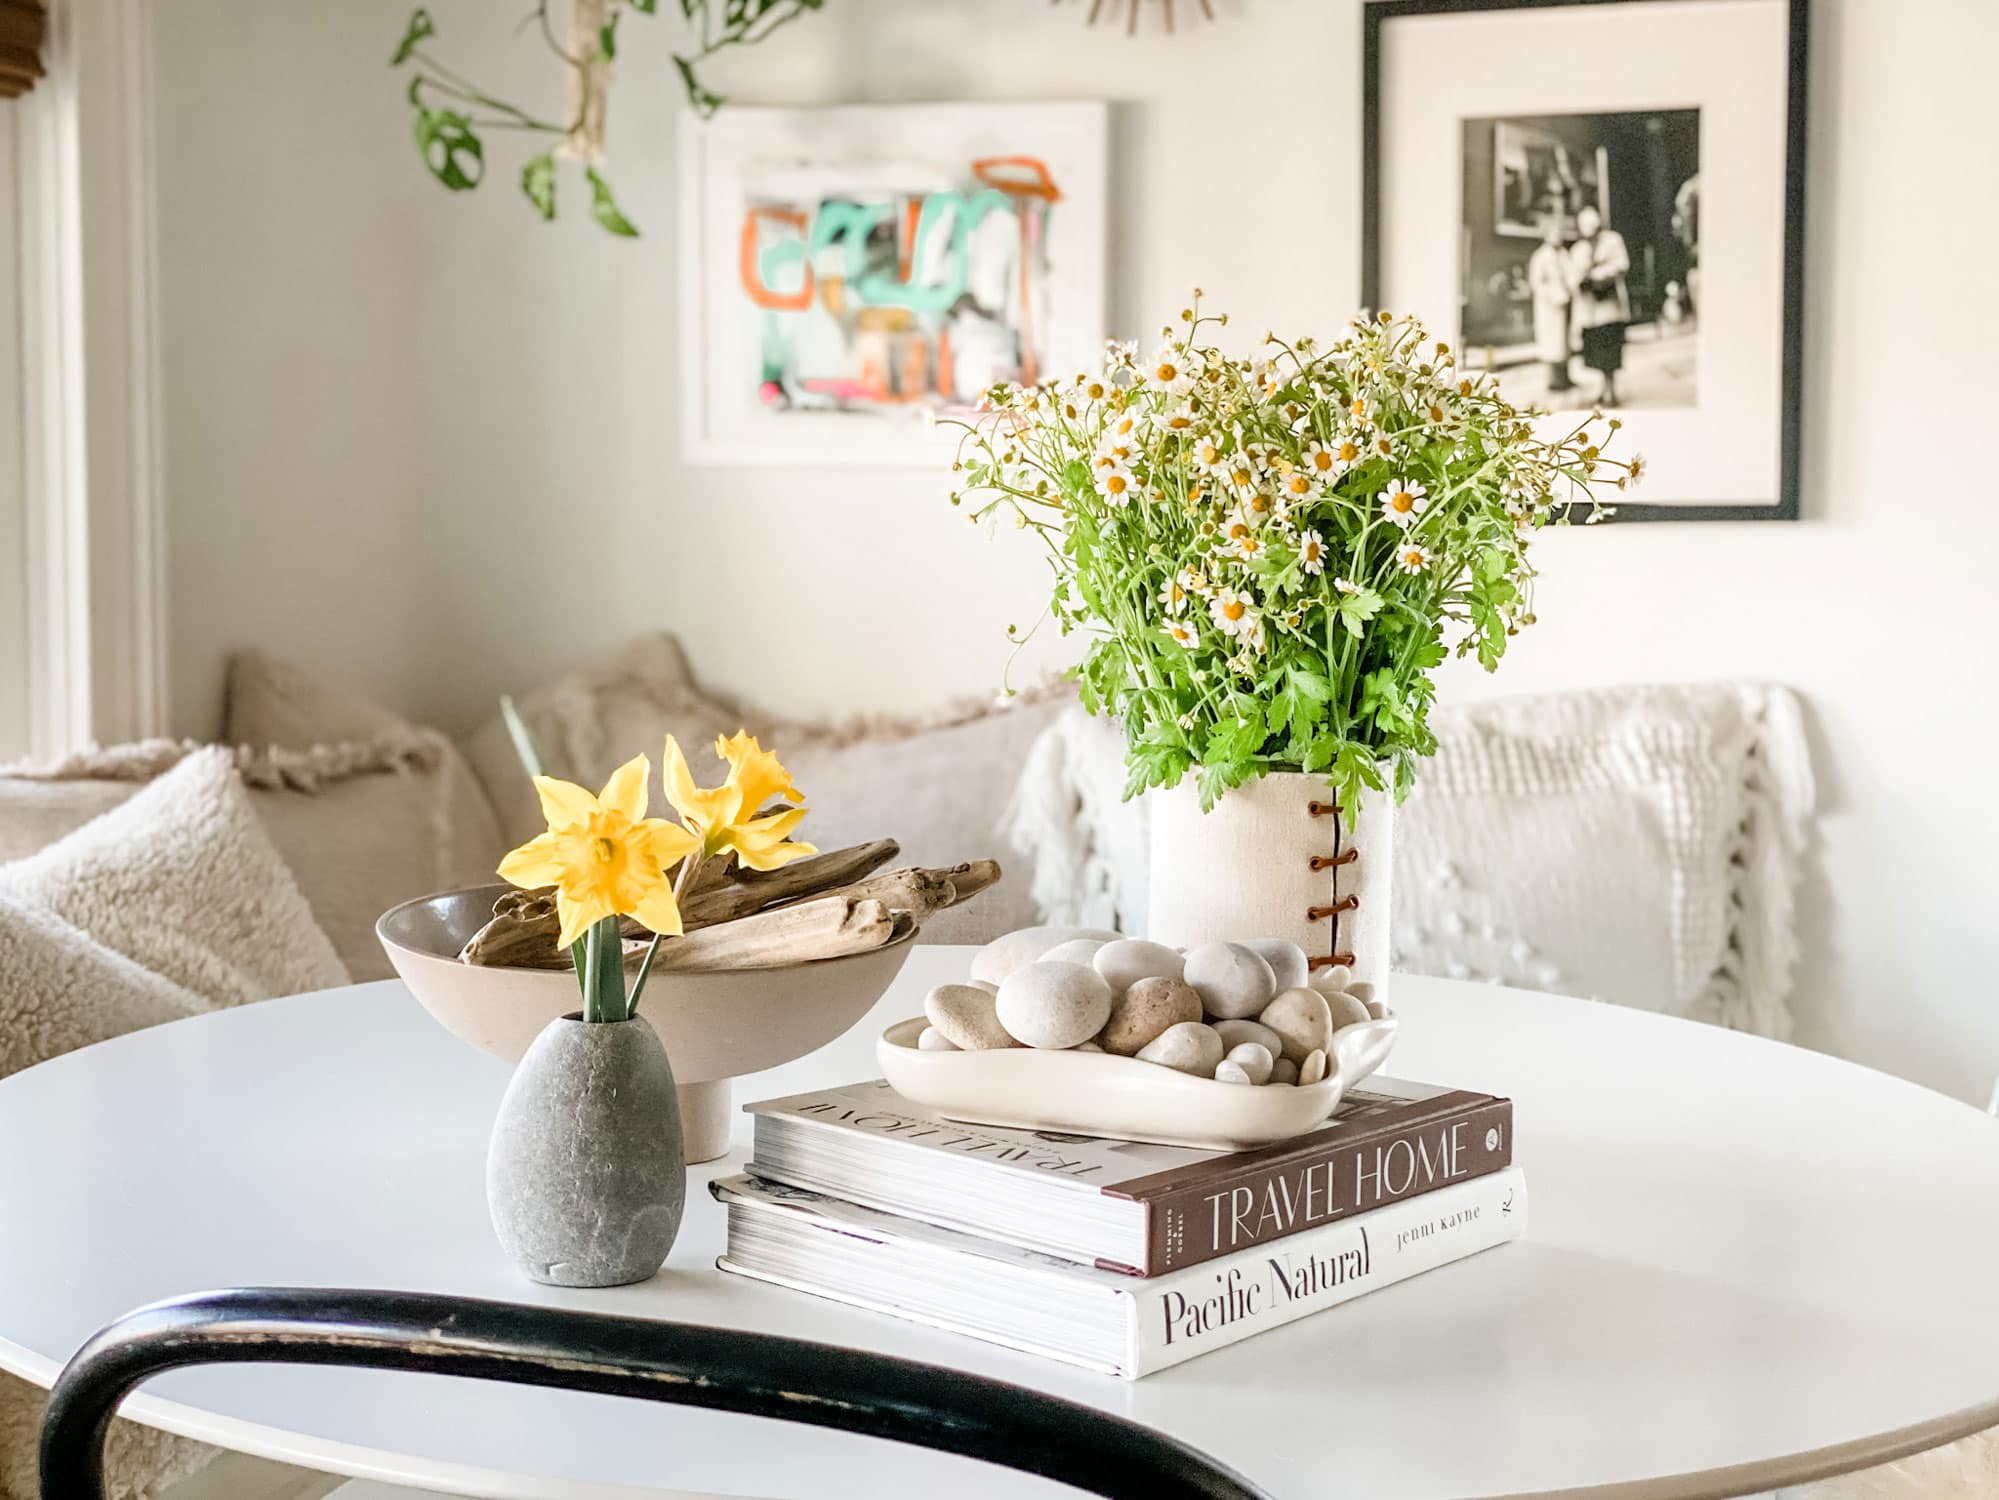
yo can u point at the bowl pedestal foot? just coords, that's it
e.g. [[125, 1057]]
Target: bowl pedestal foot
[[704, 1119]]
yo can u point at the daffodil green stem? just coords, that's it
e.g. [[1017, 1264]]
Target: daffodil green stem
[[604, 973], [681, 882]]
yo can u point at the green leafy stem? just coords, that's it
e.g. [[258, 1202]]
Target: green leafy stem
[[453, 116]]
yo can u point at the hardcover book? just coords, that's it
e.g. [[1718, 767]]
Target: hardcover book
[[1102, 1319], [1125, 1205]]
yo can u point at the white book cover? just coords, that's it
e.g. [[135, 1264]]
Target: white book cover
[[1045, 1305]]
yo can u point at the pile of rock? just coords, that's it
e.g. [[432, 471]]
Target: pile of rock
[[1249, 1012]]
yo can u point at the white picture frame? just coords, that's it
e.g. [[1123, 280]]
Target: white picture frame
[[750, 178]]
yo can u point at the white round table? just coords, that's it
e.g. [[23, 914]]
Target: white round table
[[1746, 1265]]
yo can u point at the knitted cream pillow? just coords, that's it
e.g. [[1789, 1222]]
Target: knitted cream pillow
[[1638, 844]]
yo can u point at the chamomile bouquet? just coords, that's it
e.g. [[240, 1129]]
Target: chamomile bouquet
[[1273, 555]]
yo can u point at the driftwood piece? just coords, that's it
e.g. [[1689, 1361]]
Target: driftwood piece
[[521, 934], [748, 891], [918, 892], [524, 927], [826, 927], [921, 892], [525, 924], [968, 879]]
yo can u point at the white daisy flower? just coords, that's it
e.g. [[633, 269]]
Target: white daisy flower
[[1181, 633], [1238, 528], [1092, 387], [1322, 462], [1260, 506], [1381, 445], [1116, 485], [1349, 448], [1249, 547], [1113, 456], [1179, 422], [1122, 429], [1240, 474], [1193, 581], [1171, 368], [1312, 553], [1346, 585], [1438, 411], [1297, 486], [1403, 501], [1173, 595], [1411, 557], [1209, 454], [1235, 613], [1361, 412]]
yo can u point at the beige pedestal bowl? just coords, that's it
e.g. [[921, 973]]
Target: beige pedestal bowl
[[714, 1026]]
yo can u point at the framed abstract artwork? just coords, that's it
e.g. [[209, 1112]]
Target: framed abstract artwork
[[848, 273], [1604, 199]]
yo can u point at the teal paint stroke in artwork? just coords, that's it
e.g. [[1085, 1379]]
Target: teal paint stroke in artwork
[[849, 225], [842, 223], [966, 216]]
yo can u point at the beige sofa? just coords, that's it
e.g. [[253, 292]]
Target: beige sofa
[[369, 810]]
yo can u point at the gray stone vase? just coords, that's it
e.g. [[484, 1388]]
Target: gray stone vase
[[585, 1177]]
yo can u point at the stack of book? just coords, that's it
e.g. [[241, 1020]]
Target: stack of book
[[1115, 1255]]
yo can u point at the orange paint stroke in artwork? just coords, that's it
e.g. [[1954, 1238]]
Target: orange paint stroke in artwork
[[912, 212], [752, 276], [947, 364], [992, 171], [915, 360]]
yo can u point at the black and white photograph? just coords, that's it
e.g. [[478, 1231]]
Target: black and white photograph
[[1581, 237], [1607, 215]]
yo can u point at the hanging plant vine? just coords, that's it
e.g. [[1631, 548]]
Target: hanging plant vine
[[453, 115]]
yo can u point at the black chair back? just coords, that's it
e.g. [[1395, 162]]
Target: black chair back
[[758, 1374]]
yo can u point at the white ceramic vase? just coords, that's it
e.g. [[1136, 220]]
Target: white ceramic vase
[[1276, 859]]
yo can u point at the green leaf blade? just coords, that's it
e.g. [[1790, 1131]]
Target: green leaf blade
[[604, 207], [421, 28], [538, 183]]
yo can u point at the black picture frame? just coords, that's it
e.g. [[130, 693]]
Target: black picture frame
[[1376, 14]]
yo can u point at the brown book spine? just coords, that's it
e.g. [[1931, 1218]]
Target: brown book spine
[[1266, 1199]]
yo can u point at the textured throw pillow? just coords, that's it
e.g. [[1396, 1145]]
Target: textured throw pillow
[[1639, 845], [938, 786], [171, 903], [182, 881], [361, 843], [591, 720]]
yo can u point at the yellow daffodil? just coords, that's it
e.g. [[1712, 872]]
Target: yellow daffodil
[[602, 854], [725, 818]]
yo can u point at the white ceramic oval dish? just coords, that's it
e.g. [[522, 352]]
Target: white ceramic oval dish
[[1122, 1098]]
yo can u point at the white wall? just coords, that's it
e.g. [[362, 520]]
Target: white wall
[[433, 444], [16, 689]]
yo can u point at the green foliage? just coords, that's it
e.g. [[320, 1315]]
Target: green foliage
[[451, 148], [419, 30], [1271, 557], [604, 208], [449, 134], [538, 183]]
